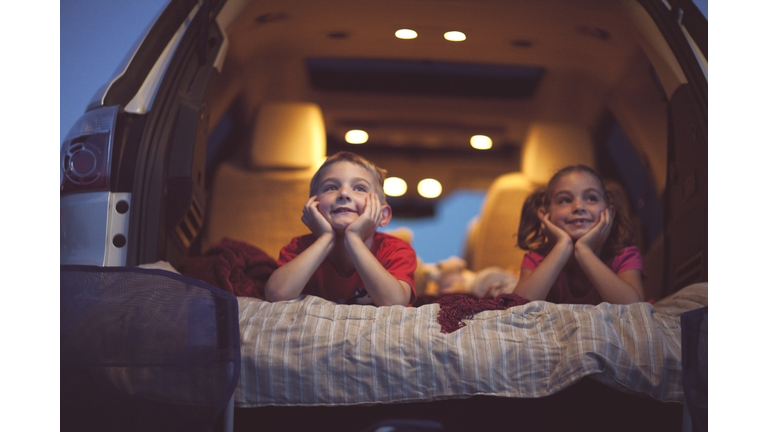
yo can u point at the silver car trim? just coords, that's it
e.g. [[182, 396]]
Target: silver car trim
[[117, 225], [142, 101], [218, 63]]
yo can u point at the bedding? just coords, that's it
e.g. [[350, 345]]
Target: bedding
[[312, 352]]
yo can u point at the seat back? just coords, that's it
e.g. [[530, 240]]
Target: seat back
[[470, 242], [145, 350], [493, 238], [260, 202]]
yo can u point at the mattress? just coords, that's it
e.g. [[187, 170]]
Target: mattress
[[312, 352]]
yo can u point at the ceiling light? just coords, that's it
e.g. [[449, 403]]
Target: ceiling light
[[595, 32], [455, 36], [430, 188], [395, 186], [481, 142], [356, 136], [406, 34]]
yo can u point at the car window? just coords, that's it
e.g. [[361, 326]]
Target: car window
[[702, 5]]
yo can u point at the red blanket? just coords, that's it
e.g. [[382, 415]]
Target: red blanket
[[233, 266], [454, 308]]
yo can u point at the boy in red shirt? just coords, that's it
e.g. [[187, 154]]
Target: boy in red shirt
[[345, 259]]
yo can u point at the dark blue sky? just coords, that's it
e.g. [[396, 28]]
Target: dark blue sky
[[95, 36]]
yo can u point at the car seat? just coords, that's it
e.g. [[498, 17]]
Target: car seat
[[260, 201], [146, 350], [494, 235]]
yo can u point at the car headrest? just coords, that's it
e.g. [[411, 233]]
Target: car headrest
[[288, 135], [494, 238], [551, 146]]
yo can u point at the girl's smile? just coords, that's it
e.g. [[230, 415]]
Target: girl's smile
[[579, 222]]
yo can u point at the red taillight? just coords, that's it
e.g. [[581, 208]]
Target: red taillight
[[85, 153]]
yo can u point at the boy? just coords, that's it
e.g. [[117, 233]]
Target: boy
[[345, 259]]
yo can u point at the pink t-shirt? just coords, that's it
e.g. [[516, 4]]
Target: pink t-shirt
[[394, 254], [628, 258]]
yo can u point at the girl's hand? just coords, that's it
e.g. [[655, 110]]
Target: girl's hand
[[596, 237], [365, 225], [315, 221], [554, 233]]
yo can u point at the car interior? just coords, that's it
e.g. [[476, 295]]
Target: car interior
[[551, 84]]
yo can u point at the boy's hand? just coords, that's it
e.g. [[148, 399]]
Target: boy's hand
[[596, 237], [315, 221], [367, 223]]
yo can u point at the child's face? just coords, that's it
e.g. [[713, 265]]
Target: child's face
[[577, 201], [341, 193]]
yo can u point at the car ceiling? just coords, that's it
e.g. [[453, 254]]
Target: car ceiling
[[584, 49]]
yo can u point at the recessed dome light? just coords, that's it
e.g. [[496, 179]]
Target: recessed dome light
[[522, 43], [395, 186], [455, 36], [406, 34], [595, 32], [481, 142], [271, 17], [356, 136]]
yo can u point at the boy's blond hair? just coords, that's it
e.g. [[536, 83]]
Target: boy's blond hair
[[378, 174]]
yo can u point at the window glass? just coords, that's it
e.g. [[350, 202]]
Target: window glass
[[702, 5], [623, 164]]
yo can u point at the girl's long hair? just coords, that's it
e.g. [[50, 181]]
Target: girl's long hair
[[530, 235]]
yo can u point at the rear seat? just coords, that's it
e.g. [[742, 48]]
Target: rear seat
[[260, 203], [493, 238], [548, 147]]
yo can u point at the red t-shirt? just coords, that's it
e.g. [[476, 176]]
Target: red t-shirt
[[627, 259], [395, 255]]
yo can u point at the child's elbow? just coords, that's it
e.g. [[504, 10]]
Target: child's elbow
[[273, 293], [276, 297], [398, 297], [393, 303]]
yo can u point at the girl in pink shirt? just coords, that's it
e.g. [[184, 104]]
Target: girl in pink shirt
[[579, 240]]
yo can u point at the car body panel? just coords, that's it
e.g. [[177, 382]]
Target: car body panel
[[92, 227]]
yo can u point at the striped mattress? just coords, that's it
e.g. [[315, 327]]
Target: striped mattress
[[312, 352]]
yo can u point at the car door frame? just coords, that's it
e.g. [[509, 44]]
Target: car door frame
[[684, 28]]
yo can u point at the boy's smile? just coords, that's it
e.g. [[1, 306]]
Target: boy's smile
[[343, 210]]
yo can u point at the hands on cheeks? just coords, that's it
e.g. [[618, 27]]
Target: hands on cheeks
[[314, 220], [364, 226], [596, 237], [552, 231], [367, 223]]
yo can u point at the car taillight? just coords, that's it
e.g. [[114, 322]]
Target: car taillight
[[86, 152]]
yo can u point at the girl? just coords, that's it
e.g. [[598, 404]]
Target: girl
[[579, 243]]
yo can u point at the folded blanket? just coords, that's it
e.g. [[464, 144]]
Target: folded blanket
[[455, 308], [233, 266]]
